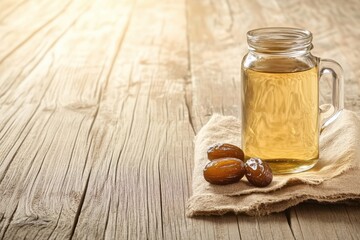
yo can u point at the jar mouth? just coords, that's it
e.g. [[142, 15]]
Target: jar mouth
[[279, 40]]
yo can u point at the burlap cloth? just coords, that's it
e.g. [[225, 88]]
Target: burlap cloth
[[336, 177]]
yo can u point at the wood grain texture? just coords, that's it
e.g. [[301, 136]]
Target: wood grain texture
[[310, 221], [100, 101]]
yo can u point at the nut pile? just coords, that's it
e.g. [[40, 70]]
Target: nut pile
[[227, 166]]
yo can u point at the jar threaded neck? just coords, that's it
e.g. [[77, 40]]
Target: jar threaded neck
[[279, 40]]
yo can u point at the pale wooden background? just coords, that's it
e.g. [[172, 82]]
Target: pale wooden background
[[100, 101]]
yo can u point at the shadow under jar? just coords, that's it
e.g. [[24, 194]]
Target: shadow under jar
[[280, 98]]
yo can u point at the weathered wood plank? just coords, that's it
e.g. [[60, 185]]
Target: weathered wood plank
[[22, 61], [268, 227], [17, 31], [8, 7], [46, 155], [144, 179], [310, 221]]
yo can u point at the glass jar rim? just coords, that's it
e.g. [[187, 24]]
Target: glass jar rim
[[279, 40]]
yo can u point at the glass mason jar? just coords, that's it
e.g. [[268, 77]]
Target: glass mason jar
[[281, 118]]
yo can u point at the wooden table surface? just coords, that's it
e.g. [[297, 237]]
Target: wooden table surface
[[100, 101]]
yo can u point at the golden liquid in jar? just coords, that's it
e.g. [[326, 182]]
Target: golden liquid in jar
[[281, 118]]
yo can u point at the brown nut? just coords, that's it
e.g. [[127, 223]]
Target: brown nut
[[258, 173], [221, 150], [224, 171]]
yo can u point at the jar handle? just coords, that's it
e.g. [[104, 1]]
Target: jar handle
[[333, 69]]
